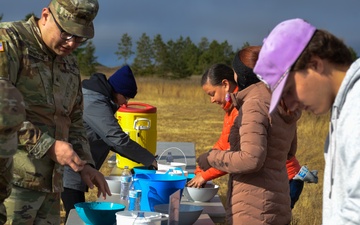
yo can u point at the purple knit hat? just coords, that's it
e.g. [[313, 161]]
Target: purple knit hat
[[279, 52]]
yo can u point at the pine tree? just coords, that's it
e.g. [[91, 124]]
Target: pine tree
[[86, 59], [143, 62], [125, 48], [160, 56]]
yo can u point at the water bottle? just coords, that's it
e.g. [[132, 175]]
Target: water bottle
[[169, 158], [125, 182], [134, 198], [141, 219]]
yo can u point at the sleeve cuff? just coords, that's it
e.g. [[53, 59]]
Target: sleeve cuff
[[42, 146]]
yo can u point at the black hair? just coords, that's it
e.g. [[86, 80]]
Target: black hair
[[217, 73]]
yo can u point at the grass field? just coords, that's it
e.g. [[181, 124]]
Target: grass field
[[185, 114]]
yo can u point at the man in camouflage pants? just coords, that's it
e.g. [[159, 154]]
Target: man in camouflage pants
[[35, 55], [12, 115]]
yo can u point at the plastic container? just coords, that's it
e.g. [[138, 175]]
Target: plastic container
[[157, 188], [129, 217], [139, 121], [142, 169], [171, 164], [175, 171], [169, 158], [140, 219], [114, 184]]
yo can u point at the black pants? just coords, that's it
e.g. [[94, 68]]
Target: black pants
[[296, 187], [69, 197]]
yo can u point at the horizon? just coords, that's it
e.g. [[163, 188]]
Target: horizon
[[235, 21]]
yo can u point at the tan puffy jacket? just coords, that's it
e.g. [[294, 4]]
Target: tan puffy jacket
[[258, 190]]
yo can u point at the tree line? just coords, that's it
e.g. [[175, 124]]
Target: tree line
[[173, 59]]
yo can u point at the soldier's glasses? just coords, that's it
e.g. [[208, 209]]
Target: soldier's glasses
[[65, 35]]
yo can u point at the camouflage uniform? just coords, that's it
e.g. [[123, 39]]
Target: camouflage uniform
[[51, 87], [12, 115]]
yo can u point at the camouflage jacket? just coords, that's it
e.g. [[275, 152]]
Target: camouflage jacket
[[12, 115], [51, 87]]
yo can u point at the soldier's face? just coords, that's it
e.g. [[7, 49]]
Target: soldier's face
[[51, 35]]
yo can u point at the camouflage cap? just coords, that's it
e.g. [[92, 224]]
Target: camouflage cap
[[75, 16], [12, 114]]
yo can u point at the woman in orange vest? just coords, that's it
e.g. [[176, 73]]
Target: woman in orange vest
[[218, 82]]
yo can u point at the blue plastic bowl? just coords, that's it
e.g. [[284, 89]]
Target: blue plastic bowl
[[98, 213]]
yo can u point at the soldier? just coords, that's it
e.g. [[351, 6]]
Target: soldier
[[12, 114], [37, 55]]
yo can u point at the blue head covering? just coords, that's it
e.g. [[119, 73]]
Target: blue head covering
[[123, 82]]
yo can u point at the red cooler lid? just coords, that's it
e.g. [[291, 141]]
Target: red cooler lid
[[137, 107]]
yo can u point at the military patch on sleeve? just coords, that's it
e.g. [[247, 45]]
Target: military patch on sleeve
[[2, 46]]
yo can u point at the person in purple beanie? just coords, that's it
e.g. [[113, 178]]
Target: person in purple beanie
[[311, 69]]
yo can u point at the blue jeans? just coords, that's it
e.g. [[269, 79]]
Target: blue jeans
[[296, 187]]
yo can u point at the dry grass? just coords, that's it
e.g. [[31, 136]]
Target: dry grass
[[312, 131], [185, 114]]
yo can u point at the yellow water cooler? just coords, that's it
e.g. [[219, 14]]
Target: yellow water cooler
[[138, 120]]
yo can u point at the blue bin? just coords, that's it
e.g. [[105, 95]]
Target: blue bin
[[143, 169], [157, 188]]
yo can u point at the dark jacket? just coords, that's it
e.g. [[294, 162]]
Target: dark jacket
[[258, 190], [103, 130]]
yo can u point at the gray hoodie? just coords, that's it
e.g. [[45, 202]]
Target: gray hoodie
[[103, 131], [341, 193]]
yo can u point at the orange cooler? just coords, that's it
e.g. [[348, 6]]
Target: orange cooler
[[138, 120]]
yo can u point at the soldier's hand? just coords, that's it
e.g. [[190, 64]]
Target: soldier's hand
[[63, 153], [93, 177]]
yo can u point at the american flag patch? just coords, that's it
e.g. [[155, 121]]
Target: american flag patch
[[2, 46]]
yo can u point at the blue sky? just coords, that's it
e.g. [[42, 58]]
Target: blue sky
[[232, 20]]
